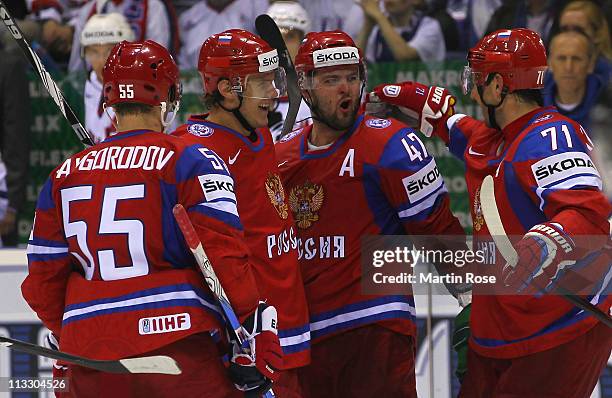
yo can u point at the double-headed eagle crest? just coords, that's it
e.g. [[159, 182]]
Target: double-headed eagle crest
[[305, 201], [276, 193]]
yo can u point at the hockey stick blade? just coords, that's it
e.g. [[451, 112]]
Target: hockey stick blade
[[158, 364], [197, 249], [267, 29], [46, 78], [503, 244]]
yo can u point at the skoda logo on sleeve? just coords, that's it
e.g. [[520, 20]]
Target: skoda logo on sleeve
[[378, 123], [201, 130]]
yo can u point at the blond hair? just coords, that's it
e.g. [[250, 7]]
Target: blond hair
[[597, 19]]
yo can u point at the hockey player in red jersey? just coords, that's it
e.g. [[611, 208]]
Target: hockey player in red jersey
[[241, 79], [348, 176], [109, 272], [548, 191]]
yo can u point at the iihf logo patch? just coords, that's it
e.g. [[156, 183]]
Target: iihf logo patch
[[378, 123], [543, 118], [392, 90], [201, 130], [292, 134]]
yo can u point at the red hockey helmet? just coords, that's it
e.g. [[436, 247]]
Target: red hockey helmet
[[326, 49], [518, 55], [141, 72], [236, 54]]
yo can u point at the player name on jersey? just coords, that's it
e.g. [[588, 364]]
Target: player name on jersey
[[118, 158]]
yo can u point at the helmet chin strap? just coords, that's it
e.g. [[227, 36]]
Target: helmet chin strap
[[490, 107], [240, 117], [173, 110]]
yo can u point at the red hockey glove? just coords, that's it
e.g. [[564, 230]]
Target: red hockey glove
[[543, 254], [257, 369], [430, 106]]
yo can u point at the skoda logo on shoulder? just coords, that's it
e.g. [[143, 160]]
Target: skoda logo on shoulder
[[378, 123], [200, 130]]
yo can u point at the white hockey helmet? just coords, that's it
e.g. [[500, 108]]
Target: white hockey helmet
[[289, 15], [106, 29]]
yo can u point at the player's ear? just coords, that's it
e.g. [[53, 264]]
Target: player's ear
[[225, 90]]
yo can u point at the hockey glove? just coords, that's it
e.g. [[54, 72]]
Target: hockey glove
[[544, 253], [461, 335], [255, 371], [429, 106]]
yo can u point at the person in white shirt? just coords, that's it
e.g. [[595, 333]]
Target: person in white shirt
[[293, 22], [399, 33], [208, 17], [149, 19], [99, 36]]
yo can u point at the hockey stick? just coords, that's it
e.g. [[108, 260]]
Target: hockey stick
[[158, 364], [498, 233], [267, 29], [46, 78], [195, 245]]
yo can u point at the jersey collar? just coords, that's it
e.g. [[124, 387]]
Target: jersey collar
[[512, 130]]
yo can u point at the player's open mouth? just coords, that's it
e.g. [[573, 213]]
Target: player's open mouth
[[264, 107], [344, 105]]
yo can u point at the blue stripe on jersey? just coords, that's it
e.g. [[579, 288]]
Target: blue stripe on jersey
[[362, 313], [127, 134], [295, 340], [574, 316], [422, 209], [326, 152], [457, 142], [218, 214], [44, 242], [522, 206], [175, 251], [45, 199], [161, 297], [385, 216], [46, 257], [246, 140]]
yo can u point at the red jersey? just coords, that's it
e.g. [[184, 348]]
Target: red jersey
[[109, 271], [365, 183], [542, 172], [269, 230]]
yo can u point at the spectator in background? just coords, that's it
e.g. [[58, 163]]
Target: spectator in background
[[149, 19], [344, 15], [569, 83], [51, 40], [212, 16], [14, 141], [400, 33], [589, 17], [293, 22], [537, 15], [437, 10], [472, 17], [99, 36]]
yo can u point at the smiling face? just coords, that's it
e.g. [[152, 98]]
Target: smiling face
[[258, 97], [336, 94]]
